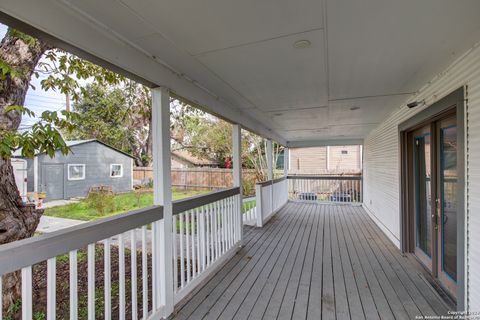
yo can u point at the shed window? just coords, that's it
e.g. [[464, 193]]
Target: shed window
[[116, 170], [76, 172], [344, 151]]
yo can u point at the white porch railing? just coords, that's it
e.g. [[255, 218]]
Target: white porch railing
[[100, 241], [270, 197], [206, 234], [336, 189]]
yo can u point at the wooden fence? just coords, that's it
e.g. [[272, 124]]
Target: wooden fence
[[196, 178]]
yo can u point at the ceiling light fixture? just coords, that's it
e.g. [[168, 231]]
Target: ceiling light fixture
[[302, 44], [354, 108]]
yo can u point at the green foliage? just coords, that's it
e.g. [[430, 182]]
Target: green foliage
[[44, 135], [122, 203], [8, 71], [102, 201], [66, 73], [63, 73], [101, 112], [117, 115], [29, 40], [13, 309]]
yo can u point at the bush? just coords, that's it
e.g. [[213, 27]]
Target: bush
[[248, 186], [101, 200]]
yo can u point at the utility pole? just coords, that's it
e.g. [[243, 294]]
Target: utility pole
[[67, 102]]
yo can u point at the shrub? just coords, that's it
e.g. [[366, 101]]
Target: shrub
[[101, 200]]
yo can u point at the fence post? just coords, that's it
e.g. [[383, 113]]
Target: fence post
[[162, 191]]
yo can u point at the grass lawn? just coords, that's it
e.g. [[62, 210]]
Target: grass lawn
[[122, 203]]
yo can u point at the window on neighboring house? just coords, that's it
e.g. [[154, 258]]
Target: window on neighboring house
[[344, 151], [76, 172], [116, 170]]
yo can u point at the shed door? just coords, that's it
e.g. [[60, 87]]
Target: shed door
[[53, 180]]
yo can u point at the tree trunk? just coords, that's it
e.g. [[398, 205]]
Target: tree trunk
[[17, 221]]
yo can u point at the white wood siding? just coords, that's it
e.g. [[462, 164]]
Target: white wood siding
[[381, 163]]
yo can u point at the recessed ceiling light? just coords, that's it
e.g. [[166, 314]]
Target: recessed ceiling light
[[301, 44], [354, 108]]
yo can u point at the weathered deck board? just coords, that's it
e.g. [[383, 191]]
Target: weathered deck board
[[315, 261]]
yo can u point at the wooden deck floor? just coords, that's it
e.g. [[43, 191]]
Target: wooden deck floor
[[316, 262]]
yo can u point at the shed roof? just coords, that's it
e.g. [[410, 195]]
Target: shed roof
[[197, 161], [73, 143]]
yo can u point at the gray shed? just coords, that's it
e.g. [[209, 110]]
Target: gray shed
[[91, 163]]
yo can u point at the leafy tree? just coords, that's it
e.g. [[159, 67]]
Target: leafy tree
[[118, 115], [20, 60]]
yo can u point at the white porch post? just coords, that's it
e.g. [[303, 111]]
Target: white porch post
[[237, 174], [269, 160], [162, 195], [286, 156]]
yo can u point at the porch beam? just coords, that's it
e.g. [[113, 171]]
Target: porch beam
[[324, 143], [269, 159], [162, 195], [237, 173]]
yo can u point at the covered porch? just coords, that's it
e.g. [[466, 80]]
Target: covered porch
[[300, 74], [316, 259]]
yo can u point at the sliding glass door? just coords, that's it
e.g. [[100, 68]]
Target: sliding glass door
[[434, 198]]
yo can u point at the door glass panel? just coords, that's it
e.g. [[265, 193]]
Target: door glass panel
[[448, 175], [423, 194]]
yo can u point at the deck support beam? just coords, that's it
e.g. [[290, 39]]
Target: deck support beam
[[162, 195], [237, 174]]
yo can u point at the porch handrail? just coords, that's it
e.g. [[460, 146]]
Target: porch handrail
[[271, 195], [183, 205], [324, 177], [326, 188], [19, 254]]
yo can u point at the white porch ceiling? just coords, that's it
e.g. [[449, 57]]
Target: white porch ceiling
[[237, 57]]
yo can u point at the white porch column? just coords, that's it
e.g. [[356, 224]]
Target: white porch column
[[269, 160], [237, 174], [286, 158], [162, 195]]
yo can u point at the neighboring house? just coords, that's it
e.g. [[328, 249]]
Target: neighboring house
[[325, 160], [184, 159], [91, 163]]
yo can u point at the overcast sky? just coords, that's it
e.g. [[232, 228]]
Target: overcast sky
[[39, 100]]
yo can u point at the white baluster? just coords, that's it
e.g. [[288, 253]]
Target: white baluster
[[203, 238], [91, 281], [208, 234], [193, 228], [107, 267], [73, 284], [27, 293], [175, 254], [182, 261], [51, 288], [197, 214], [133, 272], [145, 273], [187, 243], [121, 277]]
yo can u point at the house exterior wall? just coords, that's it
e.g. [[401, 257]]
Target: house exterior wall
[[97, 159], [325, 160], [382, 163]]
